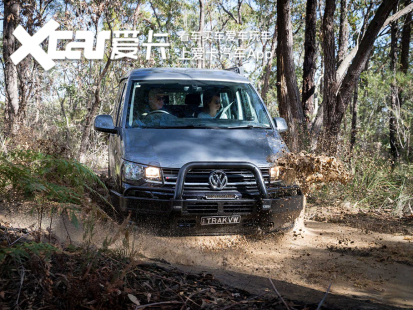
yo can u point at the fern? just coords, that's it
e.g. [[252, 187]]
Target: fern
[[47, 178]]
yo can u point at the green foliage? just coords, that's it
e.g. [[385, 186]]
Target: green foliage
[[24, 251], [54, 184], [55, 179], [375, 185]]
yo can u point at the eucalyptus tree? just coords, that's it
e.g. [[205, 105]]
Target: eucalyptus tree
[[289, 100], [309, 65], [340, 83], [12, 107]]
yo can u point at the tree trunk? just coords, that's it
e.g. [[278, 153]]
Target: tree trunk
[[10, 21], [405, 46], [338, 106], [309, 67], [287, 89], [394, 148], [91, 114], [316, 127], [331, 128], [239, 12], [354, 119], [201, 30], [404, 55], [405, 43], [343, 33], [267, 70]]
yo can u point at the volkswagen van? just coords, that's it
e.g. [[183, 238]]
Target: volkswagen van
[[190, 147]]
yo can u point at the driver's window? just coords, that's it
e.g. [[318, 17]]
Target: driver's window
[[117, 115]]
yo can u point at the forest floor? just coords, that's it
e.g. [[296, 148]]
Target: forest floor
[[367, 257]]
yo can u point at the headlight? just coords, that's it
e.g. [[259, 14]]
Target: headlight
[[274, 174], [132, 172], [153, 174]]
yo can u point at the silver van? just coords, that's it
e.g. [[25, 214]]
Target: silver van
[[190, 146]]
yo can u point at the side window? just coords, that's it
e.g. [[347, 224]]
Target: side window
[[119, 103], [248, 104], [248, 112], [228, 106]]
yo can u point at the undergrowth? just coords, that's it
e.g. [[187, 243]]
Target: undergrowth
[[375, 185], [52, 183], [38, 270], [73, 278]]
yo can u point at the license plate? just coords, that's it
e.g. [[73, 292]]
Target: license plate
[[219, 220]]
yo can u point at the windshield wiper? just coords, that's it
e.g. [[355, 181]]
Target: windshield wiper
[[247, 127], [181, 127]]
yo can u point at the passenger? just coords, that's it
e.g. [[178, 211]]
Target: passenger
[[212, 104]]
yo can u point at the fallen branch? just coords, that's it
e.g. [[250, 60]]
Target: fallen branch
[[325, 295], [15, 241], [158, 303], [242, 302], [195, 293], [278, 294], [22, 273]]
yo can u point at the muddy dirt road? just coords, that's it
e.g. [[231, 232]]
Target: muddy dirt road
[[361, 264], [368, 261]]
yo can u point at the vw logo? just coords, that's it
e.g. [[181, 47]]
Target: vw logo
[[218, 179]]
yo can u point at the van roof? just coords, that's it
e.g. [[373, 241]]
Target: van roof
[[186, 74]]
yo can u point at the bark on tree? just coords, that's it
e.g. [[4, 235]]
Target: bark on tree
[[287, 89], [239, 12], [343, 32], [405, 48], [201, 30], [329, 89], [394, 147], [309, 67], [135, 15], [267, 70], [354, 119], [405, 43], [12, 109]]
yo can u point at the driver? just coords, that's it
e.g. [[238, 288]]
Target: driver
[[156, 113], [156, 98]]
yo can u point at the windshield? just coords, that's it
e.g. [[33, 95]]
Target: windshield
[[199, 104]]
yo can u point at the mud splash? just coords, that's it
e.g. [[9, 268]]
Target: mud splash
[[357, 261], [310, 171]]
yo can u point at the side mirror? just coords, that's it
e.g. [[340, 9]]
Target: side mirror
[[104, 123], [281, 124]]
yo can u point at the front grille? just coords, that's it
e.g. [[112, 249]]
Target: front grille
[[202, 207], [283, 192], [238, 206], [198, 179]]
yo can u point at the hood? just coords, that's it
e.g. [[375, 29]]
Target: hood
[[172, 148]]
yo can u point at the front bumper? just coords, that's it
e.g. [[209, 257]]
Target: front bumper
[[268, 208]]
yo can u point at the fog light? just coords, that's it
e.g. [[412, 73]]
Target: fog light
[[274, 173], [153, 173]]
